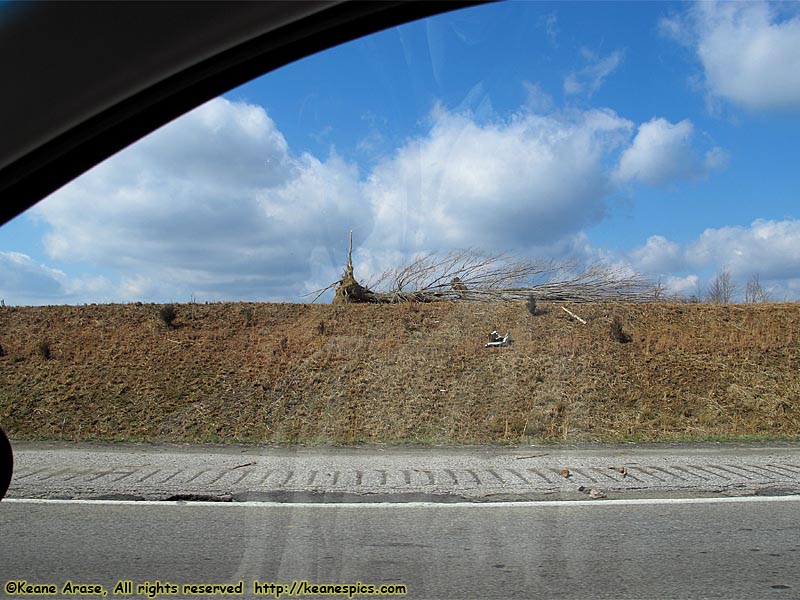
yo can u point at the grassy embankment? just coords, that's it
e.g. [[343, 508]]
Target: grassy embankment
[[399, 373]]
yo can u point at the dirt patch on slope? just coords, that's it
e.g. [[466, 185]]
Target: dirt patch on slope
[[399, 373]]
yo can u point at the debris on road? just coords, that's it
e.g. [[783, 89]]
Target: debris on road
[[565, 473], [593, 493], [495, 340], [622, 470], [532, 456], [250, 464]]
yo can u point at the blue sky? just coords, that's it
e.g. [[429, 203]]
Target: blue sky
[[661, 137]]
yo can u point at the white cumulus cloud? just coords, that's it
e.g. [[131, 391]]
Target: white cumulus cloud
[[750, 51], [658, 255], [524, 182], [663, 152], [686, 287], [23, 281], [771, 248], [214, 204], [768, 248]]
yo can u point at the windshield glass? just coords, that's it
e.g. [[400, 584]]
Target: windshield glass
[[512, 226]]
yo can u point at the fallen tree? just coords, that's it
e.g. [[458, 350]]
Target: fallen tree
[[468, 275]]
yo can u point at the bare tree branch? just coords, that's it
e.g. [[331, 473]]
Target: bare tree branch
[[721, 289], [754, 292]]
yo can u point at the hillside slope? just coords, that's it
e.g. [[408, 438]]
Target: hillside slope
[[399, 373]]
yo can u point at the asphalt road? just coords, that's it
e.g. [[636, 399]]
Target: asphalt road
[[691, 548]]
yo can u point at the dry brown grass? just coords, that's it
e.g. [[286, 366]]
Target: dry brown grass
[[400, 373]]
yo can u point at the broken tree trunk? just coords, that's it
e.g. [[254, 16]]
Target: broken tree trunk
[[349, 290]]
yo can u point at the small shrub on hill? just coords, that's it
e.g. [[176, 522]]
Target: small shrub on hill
[[617, 332], [531, 304], [44, 349], [247, 315], [168, 314]]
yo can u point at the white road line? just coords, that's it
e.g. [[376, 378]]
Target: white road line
[[443, 505]]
